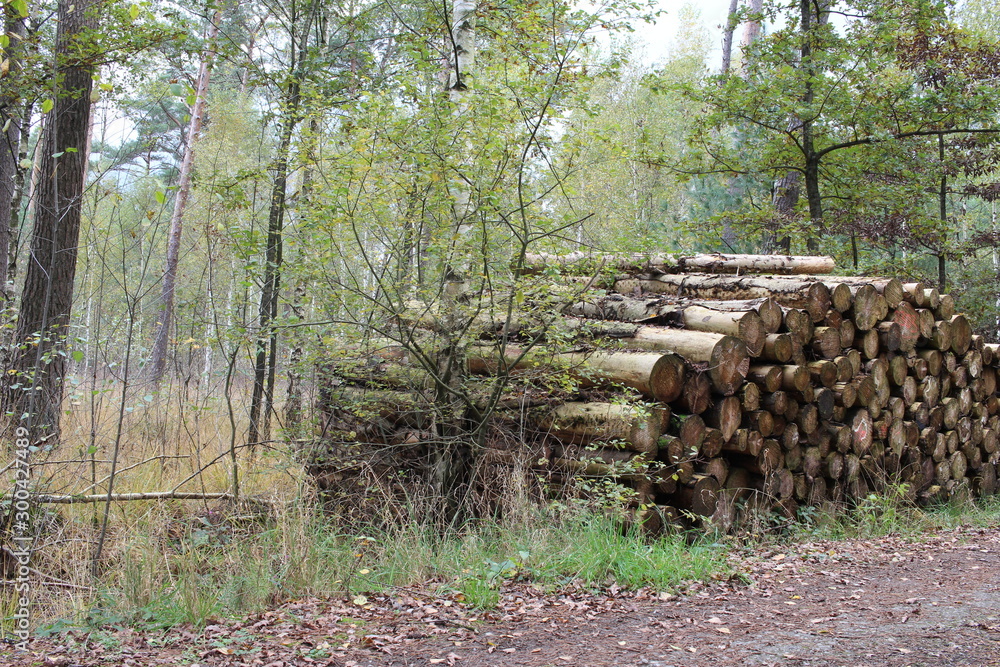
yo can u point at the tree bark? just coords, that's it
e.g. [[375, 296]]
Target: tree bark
[[638, 427], [727, 357], [10, 140], [651, 309], [810, 295], [265, 361], [727, 36], [745, 325], [585, 264], [161, 341], [787, 188], [751, 30], [659, 376], [48, 289]]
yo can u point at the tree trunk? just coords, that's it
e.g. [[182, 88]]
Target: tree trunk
[[10, 140], [638, 427], [745, 325], [659, 376], [727, 37], [810, 295], [651, 309], [585, 264], [751, 30], [727, 357], [455, 454], [161, 342], [787, 188], [48, 289], [293, 397], [265, 361], [784, 198], [943, 214]]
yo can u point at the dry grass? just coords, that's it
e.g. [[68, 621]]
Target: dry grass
[[170, 562], [164, 445]]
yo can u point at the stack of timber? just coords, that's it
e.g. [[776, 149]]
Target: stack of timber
[[710, 383]]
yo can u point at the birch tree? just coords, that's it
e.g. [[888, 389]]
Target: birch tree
[[11, 120]]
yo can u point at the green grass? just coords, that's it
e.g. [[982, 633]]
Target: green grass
[[152, 585], [156, 578], [889, 514]]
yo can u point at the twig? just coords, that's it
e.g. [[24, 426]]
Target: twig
[[64, 584], [52, 581], [35, 464]]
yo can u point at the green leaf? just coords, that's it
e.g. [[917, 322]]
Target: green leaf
[[161, 197], [21, 7], [191, 99], [47, 106], [133, 11], [78, 355]]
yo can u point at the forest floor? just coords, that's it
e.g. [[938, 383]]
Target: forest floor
[[921, 601]]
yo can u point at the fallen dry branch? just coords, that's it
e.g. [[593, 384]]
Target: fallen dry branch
[[70, 499]]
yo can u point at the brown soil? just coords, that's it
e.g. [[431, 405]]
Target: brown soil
[[932, 601]]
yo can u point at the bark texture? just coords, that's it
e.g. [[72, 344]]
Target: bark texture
[[48, 289]]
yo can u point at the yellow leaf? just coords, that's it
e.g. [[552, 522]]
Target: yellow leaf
[[360, 600]]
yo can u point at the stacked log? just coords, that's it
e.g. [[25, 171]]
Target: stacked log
[[771, 390]]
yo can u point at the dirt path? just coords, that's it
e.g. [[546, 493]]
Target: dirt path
[[891, 602]]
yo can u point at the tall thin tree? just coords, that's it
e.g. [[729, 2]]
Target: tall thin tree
[[266, 345], [161, 342], [11, 172]]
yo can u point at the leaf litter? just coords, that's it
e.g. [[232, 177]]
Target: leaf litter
[[892, 601]]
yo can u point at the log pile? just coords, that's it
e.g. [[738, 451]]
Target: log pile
[[708, 392]]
